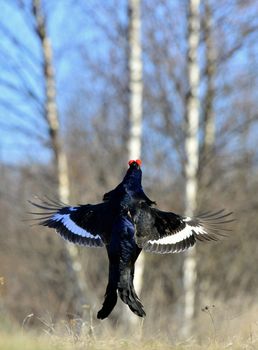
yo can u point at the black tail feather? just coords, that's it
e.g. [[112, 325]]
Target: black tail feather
[[127, 293], [111, 292], [121, 275], [108, 305]]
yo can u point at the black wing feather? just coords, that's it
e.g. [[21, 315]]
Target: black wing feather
[[165, 232], [88, 225]]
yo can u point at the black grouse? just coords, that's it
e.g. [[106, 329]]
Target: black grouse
[[126, 222]]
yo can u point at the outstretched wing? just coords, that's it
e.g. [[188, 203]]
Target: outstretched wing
[[88, 225], [165, 232]]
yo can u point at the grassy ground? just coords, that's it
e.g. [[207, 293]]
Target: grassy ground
[[29, 341], [236, 333]]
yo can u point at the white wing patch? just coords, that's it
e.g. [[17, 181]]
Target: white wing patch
[[72, 226], [181, 235], [177, 235]]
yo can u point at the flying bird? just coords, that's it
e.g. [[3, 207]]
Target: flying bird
[[126, 223]]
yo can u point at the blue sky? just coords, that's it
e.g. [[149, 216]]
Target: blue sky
[[78, 37]]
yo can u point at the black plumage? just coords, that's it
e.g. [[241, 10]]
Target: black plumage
[[126, 222]]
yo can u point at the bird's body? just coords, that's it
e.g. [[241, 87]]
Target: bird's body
[[125, 222]]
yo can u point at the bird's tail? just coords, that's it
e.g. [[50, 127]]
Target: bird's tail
[[127, 292], [111, 292], [109, 303]]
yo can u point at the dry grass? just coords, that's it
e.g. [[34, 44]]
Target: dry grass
[[33, 342], [216, 332], [28, 340]]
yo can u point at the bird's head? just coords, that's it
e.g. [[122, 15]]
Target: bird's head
[[135, 164], [134, 171]]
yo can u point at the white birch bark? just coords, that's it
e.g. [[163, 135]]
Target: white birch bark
[[135, 79], [192, 157], [135, 103], [75, 271]]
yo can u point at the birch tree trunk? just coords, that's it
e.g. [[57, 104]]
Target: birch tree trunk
[[135, 79], [135, 102], [192, 157], [74, 267]]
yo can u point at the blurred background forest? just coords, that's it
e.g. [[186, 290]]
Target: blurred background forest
[[64, 130]]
